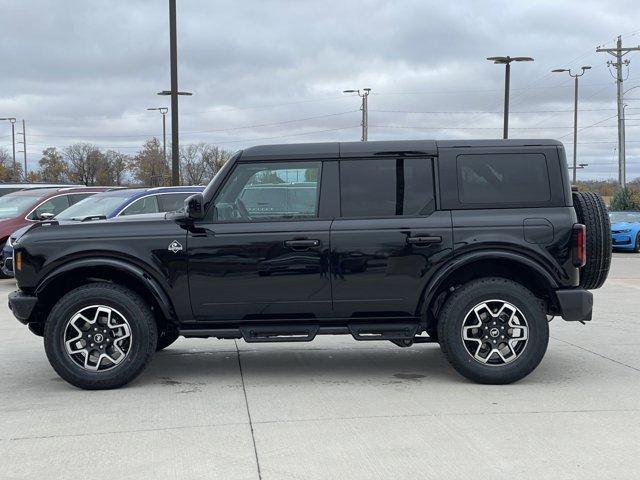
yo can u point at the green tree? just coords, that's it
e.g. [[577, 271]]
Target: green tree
[[622, 200]]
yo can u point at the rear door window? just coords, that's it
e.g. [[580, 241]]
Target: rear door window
[[489, 179], [386, 187]]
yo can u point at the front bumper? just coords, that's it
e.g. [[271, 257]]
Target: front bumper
[[22, 305], [622, 240], [575, 305]]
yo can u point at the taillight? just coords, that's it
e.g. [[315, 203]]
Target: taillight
[[579, 255]]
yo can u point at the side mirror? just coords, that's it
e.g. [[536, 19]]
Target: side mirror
[[45, 216], [193, 206]]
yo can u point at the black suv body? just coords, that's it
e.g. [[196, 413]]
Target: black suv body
[[379, 241]]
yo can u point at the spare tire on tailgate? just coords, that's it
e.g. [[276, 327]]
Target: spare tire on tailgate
[[592, 212]]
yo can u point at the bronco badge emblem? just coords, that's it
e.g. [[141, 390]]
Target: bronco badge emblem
[[175, 247]]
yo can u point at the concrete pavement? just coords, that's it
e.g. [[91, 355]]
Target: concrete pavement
[[335, 409]]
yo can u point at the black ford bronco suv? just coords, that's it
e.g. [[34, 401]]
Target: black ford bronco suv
[[471, 244]]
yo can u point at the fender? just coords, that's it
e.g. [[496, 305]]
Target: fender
[[459, 262], [154, 287]]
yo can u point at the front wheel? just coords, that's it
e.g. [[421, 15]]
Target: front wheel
[[100, 336], [493, 331]]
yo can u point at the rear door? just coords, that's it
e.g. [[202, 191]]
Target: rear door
[[257, 256], [389, 238]]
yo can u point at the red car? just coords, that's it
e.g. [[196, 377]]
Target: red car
[[23, 207]]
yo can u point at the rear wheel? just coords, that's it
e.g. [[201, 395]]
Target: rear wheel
[[493, 330], [100, 336], [592, 212]]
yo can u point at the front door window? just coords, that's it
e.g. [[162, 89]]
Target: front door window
[[269, 191]]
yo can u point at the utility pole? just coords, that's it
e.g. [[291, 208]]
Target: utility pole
[[506, 61], [24, 147], [575, 76], [163, 111], [364, 94], [12, 120], [174, 93], [618, 52]]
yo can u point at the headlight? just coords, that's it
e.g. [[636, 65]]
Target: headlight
[[628, 230]]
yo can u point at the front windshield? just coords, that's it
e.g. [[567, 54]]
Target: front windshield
[[13, 205], [93, 206], [629, 217]]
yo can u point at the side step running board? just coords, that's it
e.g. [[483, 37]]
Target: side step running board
[[383, 331], [289, 333]]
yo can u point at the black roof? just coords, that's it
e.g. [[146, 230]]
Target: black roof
[[380, 148]]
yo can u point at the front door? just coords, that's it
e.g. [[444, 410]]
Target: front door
[[389, 238], [262, 252]]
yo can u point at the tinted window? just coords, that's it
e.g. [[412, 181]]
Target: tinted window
[[142, 205], [76, 197], [503, 178], [386, 187], [270, 191], [171, 202], [53, 206]]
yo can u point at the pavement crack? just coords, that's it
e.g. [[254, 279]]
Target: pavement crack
[[597, 354], [246, 402]]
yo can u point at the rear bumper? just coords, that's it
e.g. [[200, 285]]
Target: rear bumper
[[22, 305], [575, 305]]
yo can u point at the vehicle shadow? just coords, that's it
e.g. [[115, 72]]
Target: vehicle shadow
[[288, 365]]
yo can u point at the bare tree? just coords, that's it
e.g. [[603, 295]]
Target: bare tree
[[84, 161]]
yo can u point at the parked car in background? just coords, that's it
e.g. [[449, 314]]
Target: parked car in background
[[25, 207], [6, 188], [109, 204], [625, 230]]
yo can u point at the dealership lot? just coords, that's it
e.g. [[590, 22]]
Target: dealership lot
[[335, 408]]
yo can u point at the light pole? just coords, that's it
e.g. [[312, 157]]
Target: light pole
[[174, 93], [575, 77], [506, 61], [163, 111], [364, 93], [12, 120]]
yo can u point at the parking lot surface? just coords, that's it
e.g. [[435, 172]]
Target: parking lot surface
[[334, 409]]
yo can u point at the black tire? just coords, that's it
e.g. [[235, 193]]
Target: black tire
[[636, 249], [166, 338], [592, 212], [454, 314], [142, 328]]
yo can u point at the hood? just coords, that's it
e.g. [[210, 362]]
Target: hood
[[624, 225]]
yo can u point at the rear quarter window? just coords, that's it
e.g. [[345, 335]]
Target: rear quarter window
[[489, 179]]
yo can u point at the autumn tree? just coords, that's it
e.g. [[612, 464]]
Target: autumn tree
[[149, 166], [53, 168], [8, 171], [200, 162], [112, 168]]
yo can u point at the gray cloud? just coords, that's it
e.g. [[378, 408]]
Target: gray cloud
[[86, 71]]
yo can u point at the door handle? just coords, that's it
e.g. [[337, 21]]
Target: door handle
[[423, 240], [301, 244]]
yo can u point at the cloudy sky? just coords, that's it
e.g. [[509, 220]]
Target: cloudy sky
[[273, 71]]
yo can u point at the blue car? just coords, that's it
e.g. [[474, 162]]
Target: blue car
[[625, 230], [111, 204]]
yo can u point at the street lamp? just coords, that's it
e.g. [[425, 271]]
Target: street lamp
[[364, 93], [575, 76], [12, 120], [506, 61], [163, 111]]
